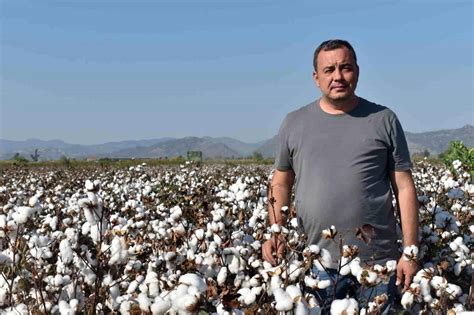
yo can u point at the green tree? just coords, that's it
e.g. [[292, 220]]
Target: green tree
[[458, 151], [257, 156]]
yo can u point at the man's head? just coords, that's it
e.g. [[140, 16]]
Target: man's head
[[332, 44], [336, 71]]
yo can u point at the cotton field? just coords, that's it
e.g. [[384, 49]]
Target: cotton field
[[187, 239]]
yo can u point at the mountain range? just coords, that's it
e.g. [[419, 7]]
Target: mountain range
[[434, 141]]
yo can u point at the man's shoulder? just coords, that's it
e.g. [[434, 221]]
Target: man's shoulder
[[371, 108], [301, 112]]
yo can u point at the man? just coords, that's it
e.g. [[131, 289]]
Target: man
[[343, 152]]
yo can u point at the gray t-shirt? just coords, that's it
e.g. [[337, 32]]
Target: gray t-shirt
[[342, 165]]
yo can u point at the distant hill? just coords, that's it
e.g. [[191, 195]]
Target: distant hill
[[224, 147], [437, 141]]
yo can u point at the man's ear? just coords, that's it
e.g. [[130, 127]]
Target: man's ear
[[316, 78]]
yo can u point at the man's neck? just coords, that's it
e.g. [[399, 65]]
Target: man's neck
[[335, 108]]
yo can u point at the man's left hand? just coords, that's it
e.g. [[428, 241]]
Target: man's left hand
[[406, 269]]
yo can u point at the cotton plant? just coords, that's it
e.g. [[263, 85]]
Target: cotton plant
[[188, 239]]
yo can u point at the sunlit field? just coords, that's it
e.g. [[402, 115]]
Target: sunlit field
[[186, 238]]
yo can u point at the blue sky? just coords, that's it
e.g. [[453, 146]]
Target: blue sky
[[96, 71]]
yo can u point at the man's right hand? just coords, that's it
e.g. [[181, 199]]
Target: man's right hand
[[275, 245]]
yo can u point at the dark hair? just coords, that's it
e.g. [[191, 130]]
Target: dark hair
[[331, 45]]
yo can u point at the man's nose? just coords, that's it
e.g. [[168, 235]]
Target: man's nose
[[337, 74]]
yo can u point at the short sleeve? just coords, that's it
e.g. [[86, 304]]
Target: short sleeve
[[283, 159], [399, 156]]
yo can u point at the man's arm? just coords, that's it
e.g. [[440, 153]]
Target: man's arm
[[278, 196], [405, 193]]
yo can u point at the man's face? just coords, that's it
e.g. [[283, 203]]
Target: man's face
[[337, 75]]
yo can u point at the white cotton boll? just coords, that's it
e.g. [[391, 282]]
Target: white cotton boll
[[256, 264], [293, 291], [22, 214], [234, 265], [391, 265], [345, 266], [453, 291], [367, 277], [89, 185], [65, 251], [294, 223], [301, 308], [160, 306], [243, 292], [314, 249], [294, 270], [239, 278], [407, 299], [311, 282], [93, 199], [185, 302], [438, 283], [58, 280], [222, 275], [192, 279], [194, 291], [144, 302], [324, 260], [283, 300], [199, 234], [276, 228], [255, 281], [344, 306], [275, 283], [323, 284], [356, 269], [33, 201], [53, 223], [65, 308], [250, 298], [125, 307], [267, 265], [89, 276], [118, 251]]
